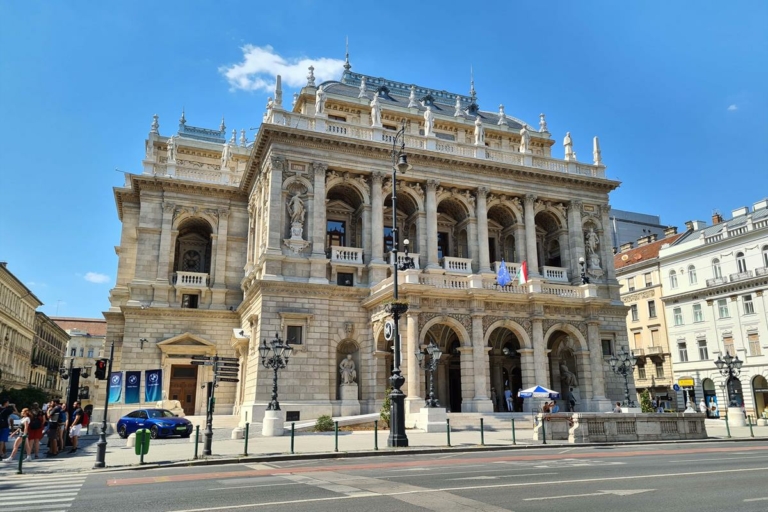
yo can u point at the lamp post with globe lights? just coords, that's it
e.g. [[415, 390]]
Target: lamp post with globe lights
[[623, 364], [434, 353], [730, 368]]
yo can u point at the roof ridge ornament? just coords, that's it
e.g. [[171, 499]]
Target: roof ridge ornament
[[412, 102], [222, 126], [347, 65], [234, 137], [542, 123], [363, 89], [311, 76], [155, 127], [278, 91], [183, 118], [472, 92], [502, 116], [597, 155], [243, 140]]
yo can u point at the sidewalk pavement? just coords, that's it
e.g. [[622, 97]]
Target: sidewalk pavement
[[307, 445]]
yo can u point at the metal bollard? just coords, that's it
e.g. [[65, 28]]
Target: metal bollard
[[749, 421], [544, 428], [21, 452], [245, 450], [336, 435], [197, 439], [482, 433], [727, 427], [448, 430], [376, 434], [293, 433], [513, 431]]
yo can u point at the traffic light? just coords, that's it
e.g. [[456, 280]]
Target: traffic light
[[101, 369]]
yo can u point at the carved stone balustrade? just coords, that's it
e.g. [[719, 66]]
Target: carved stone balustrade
[[348, 255], [401, 259], [457, 265], [557, 274], [191, 280]]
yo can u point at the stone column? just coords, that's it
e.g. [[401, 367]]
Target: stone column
[[480, 366], [472, 243], [606, 245], [530, 236], [565, 252], [414, 401], [421, 247], [221, 249], [482, 229], [377, 218], [164, 258], [431, 206], [318, 215], [467, 379], [251, 237], [596, 362], [576, 238], [441, 382], [367, 251], [539, 354], [276, 206], [520, 242]]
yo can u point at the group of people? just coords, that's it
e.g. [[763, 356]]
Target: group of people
[[53, 421], [550, 407]]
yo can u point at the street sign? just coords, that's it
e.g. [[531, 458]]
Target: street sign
[[676, 387], [234, 359], [685, 382], [227, 370], [220, 364], [389, 330], [229, 380], [201, 358], [202, 363]]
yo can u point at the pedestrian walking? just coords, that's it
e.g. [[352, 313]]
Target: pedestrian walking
[[508, 396], [5, 424], [76, 425], [19, 431], [54, 413], [36, 428], [63, 425]]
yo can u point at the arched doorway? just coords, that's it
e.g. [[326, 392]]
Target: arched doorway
[[564, 371], [383, 361], [448, 374], [407, 223], [505, 364], [760, 391], [710, 398]]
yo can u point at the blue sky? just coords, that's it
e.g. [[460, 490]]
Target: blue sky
[[676, 91]]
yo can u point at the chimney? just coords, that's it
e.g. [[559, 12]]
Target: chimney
[[625, 247], [670, 230], [689, 225], [716, 218], [652, 237], [642, 240], [694, 225]]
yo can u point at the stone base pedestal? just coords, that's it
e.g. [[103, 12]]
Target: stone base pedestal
[[350, 405], [273, 424], [238, 433], [597, 405], [632, 410], [130, 442], [762, 423], [432, 419], [736, 418]]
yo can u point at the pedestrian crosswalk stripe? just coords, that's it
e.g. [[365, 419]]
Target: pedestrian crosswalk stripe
[[56, 507], [14, 494], [54, 501]]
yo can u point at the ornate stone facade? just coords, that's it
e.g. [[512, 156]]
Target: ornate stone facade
[[17, 330], [305, 252]]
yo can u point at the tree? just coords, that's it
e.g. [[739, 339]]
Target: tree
[[645, 401], [25, 397], [386, 408]]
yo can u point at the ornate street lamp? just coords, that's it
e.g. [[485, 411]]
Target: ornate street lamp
[[623, 364], [584, 278], [397, 435], [730, 368], [434, 353], [277, 361]]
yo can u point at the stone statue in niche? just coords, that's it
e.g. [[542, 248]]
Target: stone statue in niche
[[296, 209], [429, 122], [347, 371], [592, 244], [375, 111], [567, 376], [479, 132], [525, 140], [320, 101], [171, 150]]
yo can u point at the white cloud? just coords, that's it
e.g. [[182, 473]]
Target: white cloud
[[95, 277], [261, 64], [732, 108]]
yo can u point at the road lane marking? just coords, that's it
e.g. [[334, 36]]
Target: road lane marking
[[722, 458], [598, 493], [249, 486], [757, 499]]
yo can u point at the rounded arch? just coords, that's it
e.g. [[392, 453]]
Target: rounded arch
[[569, 329], [358, 184], [298, 180], [406, 189], [513, 326], [455, 206], [193, 217], [458, 328], [593, 222], [559, 215]]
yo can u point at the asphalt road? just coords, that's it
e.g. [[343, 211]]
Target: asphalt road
[[698, 477]]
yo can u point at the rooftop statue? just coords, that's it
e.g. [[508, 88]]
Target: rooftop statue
[[320, 101], [479, 132], [375, 111], [429, 122], [363, 89], [171, 150], [525, 140], [568, 143]]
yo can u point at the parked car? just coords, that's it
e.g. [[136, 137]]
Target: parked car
[[160, 422]]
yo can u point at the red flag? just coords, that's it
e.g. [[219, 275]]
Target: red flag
[[523, 273]]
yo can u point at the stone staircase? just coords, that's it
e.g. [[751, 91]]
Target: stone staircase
[[497, 421]]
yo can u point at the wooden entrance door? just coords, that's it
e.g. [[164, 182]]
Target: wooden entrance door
[[184, 386]]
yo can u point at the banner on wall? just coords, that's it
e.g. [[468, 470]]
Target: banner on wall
[[132, 385], [115, 387], [153, 385]]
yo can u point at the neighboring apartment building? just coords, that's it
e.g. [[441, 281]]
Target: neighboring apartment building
[[715, 279], [17, 330], [626, 227], [637, 270], [86, 344], [226, 244], [47, 354]]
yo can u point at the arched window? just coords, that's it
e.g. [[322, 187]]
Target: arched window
[[692, 279], [716, 272], [672, 279], [741, 262], [765, 256]]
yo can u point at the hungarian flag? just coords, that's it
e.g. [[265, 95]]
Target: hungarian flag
[[522, 274]]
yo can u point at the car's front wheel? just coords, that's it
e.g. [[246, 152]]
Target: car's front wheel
[[122, 431], [154, 432]]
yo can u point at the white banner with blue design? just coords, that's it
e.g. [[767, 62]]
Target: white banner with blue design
[[115, 387], [153, 385]]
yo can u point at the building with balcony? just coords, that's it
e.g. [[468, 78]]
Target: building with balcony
[[86, 344], [226, 243], [17, 330], [714, 282], [47, 354], [637, 270]]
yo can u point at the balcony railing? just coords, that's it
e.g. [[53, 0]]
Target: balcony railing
[[557, 274], [654, 350], [401, 259], [457, 265], [193, 280], [740, 276], [716, 281], [638, 352], [512, 268], [761, 271], [349, 255]]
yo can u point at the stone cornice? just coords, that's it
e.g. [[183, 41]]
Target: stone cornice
[[135, 312], [290, 288], [269, 133], [755, 284]]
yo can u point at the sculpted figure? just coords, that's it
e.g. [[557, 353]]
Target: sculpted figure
[[429, 122], [567, 376], [320, 100], [568, 143], [592, 241], [296, 207], [347, 370], [479, 132], [375, 111], [525, 140], [225, 156], [171, 150]]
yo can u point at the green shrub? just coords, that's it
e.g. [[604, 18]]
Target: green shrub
[[386, 408], [324, 424], [645, 402], [25, 397]]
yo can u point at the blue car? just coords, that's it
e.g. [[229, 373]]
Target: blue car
[[160, 422]]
